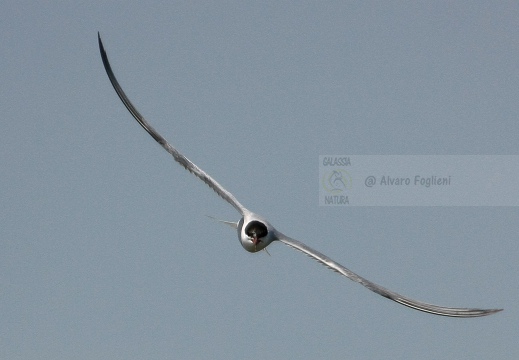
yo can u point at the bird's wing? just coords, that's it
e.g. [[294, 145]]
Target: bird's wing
[[181, 159], [418, 305]]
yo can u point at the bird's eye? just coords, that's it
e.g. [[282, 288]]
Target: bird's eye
[[256, 229]]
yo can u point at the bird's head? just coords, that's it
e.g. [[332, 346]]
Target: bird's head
[[255, 233]]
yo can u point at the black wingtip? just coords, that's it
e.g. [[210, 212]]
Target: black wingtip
[[101, 47], [104, 57], [488, 312]]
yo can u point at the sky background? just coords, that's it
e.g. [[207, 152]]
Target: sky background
[[105, 249]]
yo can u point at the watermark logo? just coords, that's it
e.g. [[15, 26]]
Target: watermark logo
[[418, 180], [336, 181]]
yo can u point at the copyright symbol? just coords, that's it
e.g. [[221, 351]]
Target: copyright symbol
[[370, 181]]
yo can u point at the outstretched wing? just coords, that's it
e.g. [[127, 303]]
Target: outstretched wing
[[418, 305], [181, 159]]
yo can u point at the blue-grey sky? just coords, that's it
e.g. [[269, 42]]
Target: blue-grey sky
[[105, 249]]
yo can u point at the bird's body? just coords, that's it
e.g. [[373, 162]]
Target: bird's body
[[256, 233]]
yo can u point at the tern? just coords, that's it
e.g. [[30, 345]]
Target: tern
[[255, 233]]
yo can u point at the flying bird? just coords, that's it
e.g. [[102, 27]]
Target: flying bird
[[256, 233]]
